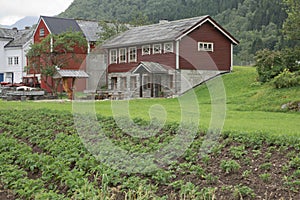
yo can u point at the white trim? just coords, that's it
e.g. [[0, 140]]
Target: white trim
[[172, 47], [207, 44], [139, 66], [154, 46], [89, 47], [231, 67], [215, 25], [36, 29], [129, 54], [177, 54], [110, 57], [146, 46], [125, 54], [51, 44]]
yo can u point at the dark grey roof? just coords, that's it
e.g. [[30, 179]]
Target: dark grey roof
[[90, 29], [150, 67], [166, 31], [61, 25], [70, 74], [17, 37], [21, 38]]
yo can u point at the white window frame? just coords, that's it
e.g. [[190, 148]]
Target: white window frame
[[156, 48], [206, 46], [131, 54], [113, 58], [16, 60], [166, 50], [122, 54], [42, 32], [145, 52], [10, 61]]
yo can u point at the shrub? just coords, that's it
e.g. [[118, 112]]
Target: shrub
[[286, 79], [268, 64]]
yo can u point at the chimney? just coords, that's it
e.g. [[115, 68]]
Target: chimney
[[163, 21]]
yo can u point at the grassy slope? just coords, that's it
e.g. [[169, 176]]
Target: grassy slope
[[251, 107]]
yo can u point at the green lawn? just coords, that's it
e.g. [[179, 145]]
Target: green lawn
[[250, 107]]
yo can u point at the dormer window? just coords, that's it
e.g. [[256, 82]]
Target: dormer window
[[42, 32], [205, 46], [156, 48], [146, 50]]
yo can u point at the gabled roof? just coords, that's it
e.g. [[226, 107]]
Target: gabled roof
[[60, 25], [57, 25], [150, 67], [162, 32], [22, 37], [17, 37], [70, 74]]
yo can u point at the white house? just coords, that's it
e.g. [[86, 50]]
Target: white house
[[13, 47]]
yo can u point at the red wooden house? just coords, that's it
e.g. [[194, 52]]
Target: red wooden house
[[54, 25], [168, 58]]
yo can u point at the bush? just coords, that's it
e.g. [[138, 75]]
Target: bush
[[270, 64], [286, 79]]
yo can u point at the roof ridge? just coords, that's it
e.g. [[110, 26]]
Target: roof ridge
[[174, 21]]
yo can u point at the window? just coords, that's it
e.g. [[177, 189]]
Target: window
[[114, 83], [10, 60], [168, 47], [132, 54], [123, 83], [156, 48], [205, 46], [113, 56], [146, 50], [16, 60], [42, 32], [133, 82], [122, 54]]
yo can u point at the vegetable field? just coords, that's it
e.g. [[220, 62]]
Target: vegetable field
[[43, 157]]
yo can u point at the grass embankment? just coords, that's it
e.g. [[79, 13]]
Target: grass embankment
[[251, 107], [256, 157]]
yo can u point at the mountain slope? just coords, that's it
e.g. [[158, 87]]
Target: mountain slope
[[22, 23]]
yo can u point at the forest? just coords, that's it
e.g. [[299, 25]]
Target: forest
[[257, 24]]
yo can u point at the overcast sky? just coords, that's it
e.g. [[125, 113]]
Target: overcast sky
[[14, 10]]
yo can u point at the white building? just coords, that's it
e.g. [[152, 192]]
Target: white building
[[13, 47]]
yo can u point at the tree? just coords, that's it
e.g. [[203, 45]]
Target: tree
[[291, 26], [110, 29], [55, 52]]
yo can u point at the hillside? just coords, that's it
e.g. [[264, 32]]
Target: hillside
[[22, 23], [256, 24]]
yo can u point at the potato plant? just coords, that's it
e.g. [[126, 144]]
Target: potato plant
[[43, 157]]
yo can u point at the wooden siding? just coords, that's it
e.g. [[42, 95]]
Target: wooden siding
[[191, 58], [37, 37], [72, 64], [168, 59]]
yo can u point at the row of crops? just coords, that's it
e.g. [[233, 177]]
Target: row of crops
[[43, 157]]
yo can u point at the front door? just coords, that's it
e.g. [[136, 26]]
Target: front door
[[1, 77]]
